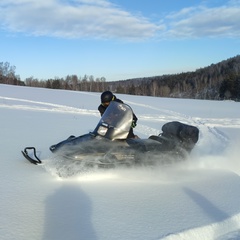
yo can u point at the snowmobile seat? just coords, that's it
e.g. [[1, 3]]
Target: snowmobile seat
[[178, 134], [186, 135], [167, 144], [144, 145]]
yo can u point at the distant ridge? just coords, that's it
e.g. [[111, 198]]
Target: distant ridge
[[217, 81]]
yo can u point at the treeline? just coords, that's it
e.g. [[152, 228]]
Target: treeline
[[70, 82], [7, 74], [217, 81]]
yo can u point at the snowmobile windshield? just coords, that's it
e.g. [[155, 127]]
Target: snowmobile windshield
[[116, 121]]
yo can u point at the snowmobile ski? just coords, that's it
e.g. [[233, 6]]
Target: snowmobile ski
[[32, 160]]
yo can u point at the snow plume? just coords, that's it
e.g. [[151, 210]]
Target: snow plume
[[225, 158], [230, 158], [73, 161]]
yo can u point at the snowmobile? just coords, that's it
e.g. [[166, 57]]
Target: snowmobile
[[108, 145]]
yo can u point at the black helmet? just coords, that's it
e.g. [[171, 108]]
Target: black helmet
[[107, 96]]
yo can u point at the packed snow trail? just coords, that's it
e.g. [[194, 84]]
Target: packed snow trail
[[37, 106]]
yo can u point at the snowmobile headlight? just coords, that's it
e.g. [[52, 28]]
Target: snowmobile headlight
[[102, 130]]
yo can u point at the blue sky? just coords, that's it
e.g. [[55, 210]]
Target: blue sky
[[116, 39]]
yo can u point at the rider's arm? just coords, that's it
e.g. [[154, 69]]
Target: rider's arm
[[101, 109]]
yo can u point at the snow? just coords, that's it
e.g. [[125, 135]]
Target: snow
[[194, 199]]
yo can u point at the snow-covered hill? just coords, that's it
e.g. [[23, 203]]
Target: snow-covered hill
[[197, 199]]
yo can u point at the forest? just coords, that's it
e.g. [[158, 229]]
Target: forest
[[219, 81]]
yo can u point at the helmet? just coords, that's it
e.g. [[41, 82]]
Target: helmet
[[107, 96]]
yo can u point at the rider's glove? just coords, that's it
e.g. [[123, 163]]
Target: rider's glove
[[134, 124]]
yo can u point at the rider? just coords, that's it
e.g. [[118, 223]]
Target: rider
[[106, 98]]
